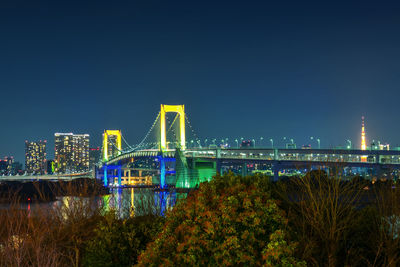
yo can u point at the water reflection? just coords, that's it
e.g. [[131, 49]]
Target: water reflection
[[126, 202], [140, 201]]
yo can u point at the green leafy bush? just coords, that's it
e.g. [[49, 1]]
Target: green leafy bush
[[229, 221]]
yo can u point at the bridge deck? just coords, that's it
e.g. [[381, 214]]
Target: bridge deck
[[316, 156]]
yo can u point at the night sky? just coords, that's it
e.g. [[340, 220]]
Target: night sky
[[242, 69]]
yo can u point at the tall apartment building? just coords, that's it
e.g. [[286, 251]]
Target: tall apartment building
[[80, 152], [35, 157], [71, 152], [63, 152]]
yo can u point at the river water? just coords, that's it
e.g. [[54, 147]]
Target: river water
[[125, 202]]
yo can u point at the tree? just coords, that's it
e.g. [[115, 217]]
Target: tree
[[323, 215], [386, 235], [229, 221], [119, 242]]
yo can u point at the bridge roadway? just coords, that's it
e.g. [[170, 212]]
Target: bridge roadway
[[349, 157], [60, 177], [278, 158]]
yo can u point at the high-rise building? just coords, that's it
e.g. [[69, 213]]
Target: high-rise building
[[63, 152], [80, 152], [71, 152], [35, 157], [384, 147]]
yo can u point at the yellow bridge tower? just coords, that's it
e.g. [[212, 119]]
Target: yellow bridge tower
[[180, 109], [106, 135]]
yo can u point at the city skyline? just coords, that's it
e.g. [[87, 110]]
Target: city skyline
[[262, 141], [254, 70]]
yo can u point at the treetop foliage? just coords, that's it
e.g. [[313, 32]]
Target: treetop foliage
[[229, 221]]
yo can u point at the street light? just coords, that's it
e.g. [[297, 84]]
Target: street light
[[349, 146], [205, 142], [318, 140], [272, 142], [214, 141], [254, 141], [191, 142], [261, 138]]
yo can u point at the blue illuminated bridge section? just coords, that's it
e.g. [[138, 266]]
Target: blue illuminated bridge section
[[322, 156]]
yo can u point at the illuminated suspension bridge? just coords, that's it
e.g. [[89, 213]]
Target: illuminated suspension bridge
[[172, 163]]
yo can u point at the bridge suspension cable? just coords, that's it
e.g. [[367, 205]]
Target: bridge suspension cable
[[191, 128], [142, 143], [110, 141], [173, 132], [172, 124], [148, 133], [126, 142]]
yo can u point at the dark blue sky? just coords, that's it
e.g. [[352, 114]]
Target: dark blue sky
[[242, 68]]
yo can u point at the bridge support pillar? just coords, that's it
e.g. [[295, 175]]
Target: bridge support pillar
[[119, 174], [105, 179], [276, 155], [162, 172]]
